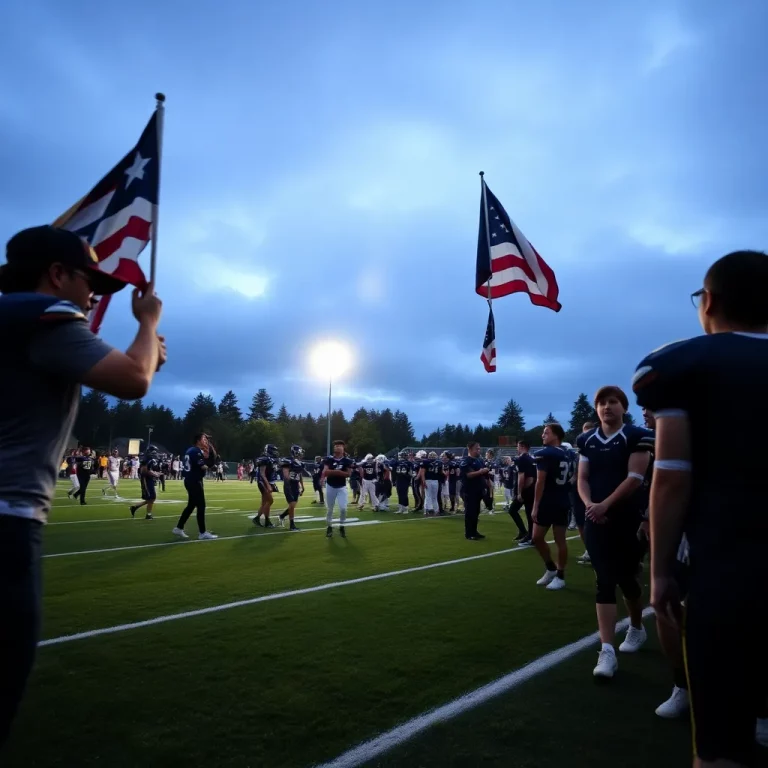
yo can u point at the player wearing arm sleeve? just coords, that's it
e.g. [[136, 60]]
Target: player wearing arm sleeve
[[699, 391]]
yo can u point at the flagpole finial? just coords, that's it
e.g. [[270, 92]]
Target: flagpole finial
[[482, 173], [160, 97]]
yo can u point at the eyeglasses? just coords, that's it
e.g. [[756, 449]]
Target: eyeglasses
[[696, 297]]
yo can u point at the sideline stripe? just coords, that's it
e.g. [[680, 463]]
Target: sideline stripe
[[378, 746], [268, 598]]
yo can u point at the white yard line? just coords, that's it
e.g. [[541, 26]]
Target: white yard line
[[382, 744], [267, 598]]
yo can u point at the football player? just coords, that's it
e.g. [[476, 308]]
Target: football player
[[85, 464], [336, 469], [418, 490], [355, 480], [292, 469], [700, 391], [383, 483], [613, 461], [266, 468], [197, 460], [453, 477], [526, 480], [429, 473], [551, 503], [317, 486], [490, 462], [402, 469], [149, 472], [368, 472]]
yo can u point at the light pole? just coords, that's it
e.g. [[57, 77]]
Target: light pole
[[328, 441], [150, 428]]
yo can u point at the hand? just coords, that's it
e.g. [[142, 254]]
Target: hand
[[162, 352], [596, 512], [520, 499], [484, 471], [535, 515], [146, 306], [665, 599]]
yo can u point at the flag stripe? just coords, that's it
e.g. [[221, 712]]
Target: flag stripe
[[139, 207], [510, 261], [135, 228]]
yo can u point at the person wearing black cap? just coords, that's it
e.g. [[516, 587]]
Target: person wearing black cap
[[47, 287]]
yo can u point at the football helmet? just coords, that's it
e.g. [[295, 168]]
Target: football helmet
[[271, 451], [297, 452]]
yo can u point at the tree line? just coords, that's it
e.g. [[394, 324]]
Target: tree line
[[242, 435]]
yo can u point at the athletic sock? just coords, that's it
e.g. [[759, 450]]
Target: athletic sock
[[561, 574], [551, 566]]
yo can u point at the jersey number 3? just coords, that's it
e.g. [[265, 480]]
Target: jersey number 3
[[565, 473]]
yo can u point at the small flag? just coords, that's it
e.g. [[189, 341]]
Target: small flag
[[488, 355], [507, 262], [116, 217]]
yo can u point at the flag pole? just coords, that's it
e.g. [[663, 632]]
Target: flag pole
[[160, 110], [487, 236]]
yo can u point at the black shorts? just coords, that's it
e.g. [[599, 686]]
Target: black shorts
[[148, 492], [354, 485], [316, 482], [548, 516], [291, 491], [725, 621]]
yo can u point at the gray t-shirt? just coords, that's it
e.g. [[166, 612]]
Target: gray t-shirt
[[39, 398]]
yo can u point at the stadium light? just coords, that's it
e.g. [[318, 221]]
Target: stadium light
[[329, 360]]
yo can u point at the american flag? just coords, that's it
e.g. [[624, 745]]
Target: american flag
[[116, 217], [488, 355], [507, 262]]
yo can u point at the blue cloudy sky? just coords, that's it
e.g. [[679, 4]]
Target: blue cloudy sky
[[320, 180]]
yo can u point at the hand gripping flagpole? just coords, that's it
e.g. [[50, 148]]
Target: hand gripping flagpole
[[160, 109]]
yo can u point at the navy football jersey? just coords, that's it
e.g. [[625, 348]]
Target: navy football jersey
[[84, 463], [368, 470], [270, 468], [608, 457], [454, 470], [557, 484], [402, 469], [151, 465], [433, 469], [295, 469], [342, 464], [382, 469], [526, 467], [720, 382], [509, 476], [195, 464], [317, 470]]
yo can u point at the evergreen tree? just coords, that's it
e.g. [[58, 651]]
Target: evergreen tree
[[550, 419], [511, 421], [93, 420], [283, 417], [229, 409], [201, 415], [582, 411], [261, 406]]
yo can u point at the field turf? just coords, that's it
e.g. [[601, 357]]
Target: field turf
[[298, 679]]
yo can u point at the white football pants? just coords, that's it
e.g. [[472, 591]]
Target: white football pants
[[430, 501], [333, 496], [369, 490]]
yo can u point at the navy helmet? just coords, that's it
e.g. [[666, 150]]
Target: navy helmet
[[271, 451], [297, 451]]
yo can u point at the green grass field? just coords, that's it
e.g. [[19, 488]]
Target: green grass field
[[299, 679]]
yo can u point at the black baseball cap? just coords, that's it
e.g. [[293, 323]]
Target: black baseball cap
[[30, 252]]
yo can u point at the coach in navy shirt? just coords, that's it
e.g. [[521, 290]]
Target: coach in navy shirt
[[474, 479]]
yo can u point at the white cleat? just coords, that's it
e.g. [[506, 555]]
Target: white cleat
[[634, 640], [556, 583], [761, 731], [607, 664], [547, 578], [585, 559], [207, 536], [180, 533], [677, 705]]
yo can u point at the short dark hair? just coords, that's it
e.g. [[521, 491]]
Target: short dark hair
[[611, 390], [588, 425], [198, 437], [338, 442], [557, 429], [524, 443], [472, 444], [738, 283]]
